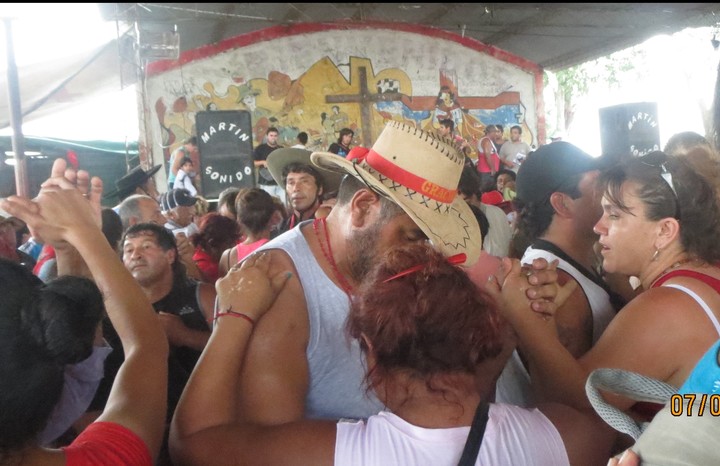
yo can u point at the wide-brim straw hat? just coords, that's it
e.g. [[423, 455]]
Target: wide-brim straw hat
[[420, 172], [278, 159]]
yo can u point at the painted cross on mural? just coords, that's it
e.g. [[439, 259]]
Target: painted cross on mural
[[366, 101]]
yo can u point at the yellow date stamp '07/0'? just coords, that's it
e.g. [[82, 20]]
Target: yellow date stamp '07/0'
[[682, 405]]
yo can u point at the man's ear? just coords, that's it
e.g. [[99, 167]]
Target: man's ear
[[172, 255], [320, 192], [559, 203], [361, 207]]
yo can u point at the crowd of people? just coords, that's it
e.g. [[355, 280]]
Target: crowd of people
[[399, 304]]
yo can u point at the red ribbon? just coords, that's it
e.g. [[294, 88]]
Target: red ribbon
[[357, 153], [410, 180], [456, 259]]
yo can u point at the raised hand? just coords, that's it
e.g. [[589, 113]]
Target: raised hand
[[62, 177], [248, 288], [53, 215], [67, 200], [184, 246]]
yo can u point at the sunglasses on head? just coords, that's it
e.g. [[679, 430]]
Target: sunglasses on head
[[653, 160]]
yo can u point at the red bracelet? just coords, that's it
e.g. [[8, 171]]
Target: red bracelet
[[230, 312]]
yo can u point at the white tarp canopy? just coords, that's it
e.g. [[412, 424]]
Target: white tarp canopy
[[56, 85]]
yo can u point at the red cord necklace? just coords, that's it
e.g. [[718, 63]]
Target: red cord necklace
[[329, 255]]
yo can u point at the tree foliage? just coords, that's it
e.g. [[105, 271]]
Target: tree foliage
[[575, 82]]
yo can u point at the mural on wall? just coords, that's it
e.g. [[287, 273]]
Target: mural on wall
[[321, 102], [322, 81]]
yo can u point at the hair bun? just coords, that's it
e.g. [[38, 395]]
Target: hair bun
[[62, 318]]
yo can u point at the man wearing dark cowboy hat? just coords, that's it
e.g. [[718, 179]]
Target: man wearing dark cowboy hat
[[136, 181], [299, 363], [305, 184]]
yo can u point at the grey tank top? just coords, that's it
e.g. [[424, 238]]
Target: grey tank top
[[335, 362]]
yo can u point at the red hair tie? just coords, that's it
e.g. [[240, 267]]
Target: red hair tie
[[357, 154], [457, 259]]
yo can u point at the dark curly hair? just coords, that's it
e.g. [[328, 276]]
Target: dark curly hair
[[42, 329], [429, 323]]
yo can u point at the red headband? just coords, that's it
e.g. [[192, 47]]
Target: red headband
[[457, 259]]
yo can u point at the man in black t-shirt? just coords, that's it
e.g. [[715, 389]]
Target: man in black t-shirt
[[150, 254], [260, 154]]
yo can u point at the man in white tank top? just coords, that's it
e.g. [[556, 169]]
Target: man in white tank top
[[558, 208], [299, 363]]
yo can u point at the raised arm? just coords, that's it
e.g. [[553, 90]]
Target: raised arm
[[206, 428], [177, 160], [62, 214]]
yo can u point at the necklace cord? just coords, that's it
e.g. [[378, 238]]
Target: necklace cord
[[346, 287]]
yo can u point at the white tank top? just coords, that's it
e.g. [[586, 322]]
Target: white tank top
[[513, 437], [513, 386], [335, 363]]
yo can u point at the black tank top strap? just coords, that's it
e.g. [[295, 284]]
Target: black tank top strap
[[617, 301]]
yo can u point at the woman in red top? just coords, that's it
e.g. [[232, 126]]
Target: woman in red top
[[217, 233], [488, 161], [43, 328], [661, 222]]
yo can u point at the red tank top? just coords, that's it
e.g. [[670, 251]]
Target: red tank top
[[646, 410], [482, 165], [713, 282]]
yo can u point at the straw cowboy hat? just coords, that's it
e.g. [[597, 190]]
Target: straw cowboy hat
[[131, 181], [420, 172], [278, 159]]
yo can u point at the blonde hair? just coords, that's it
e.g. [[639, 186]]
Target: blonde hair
[[202, 206]]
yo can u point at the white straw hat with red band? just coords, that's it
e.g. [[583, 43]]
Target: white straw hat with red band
[[420, 172]]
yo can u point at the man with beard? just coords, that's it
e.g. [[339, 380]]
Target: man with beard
[[299, 363], [304, 183]]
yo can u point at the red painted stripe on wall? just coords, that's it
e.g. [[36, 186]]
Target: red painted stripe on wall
[[276, 32]]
